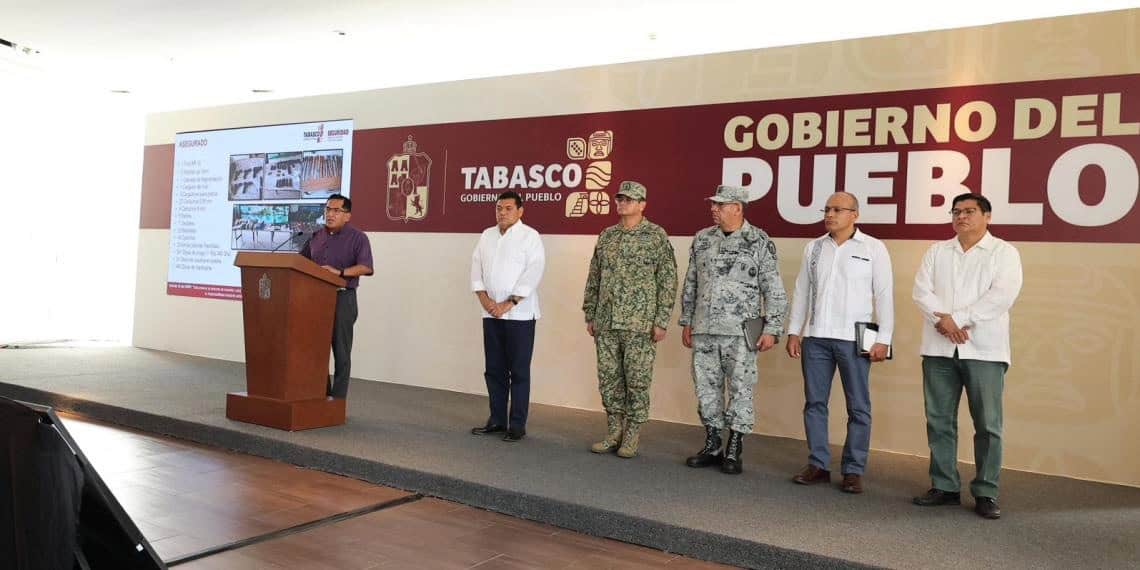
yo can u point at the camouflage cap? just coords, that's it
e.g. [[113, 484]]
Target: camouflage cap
[[631, 189], [729, 194]]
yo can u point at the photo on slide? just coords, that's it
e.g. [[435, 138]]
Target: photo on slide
[[246, 171], [304, 218], [259, 227], [320, 173], [282, 176]]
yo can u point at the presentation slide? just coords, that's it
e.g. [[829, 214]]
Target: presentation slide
[[249, 189]]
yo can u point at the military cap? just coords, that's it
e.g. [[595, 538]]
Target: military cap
[[729, 194], [631, 189]]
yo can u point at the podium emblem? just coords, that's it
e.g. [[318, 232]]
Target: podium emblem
[[264, 287], [409, 177]]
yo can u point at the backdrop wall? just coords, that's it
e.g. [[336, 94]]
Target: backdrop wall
[[1073, 390]]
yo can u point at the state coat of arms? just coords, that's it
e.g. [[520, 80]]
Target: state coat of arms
[[409, 177]]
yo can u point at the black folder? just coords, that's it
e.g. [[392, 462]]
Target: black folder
[[866, 335]]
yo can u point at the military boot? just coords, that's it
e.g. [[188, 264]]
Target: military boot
[[732, 464], [710, 453], [613, 435], [629, 440]]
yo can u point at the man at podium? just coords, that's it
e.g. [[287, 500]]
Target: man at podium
[[345, 251]]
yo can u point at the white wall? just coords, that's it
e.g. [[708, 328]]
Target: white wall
[[69, 164]]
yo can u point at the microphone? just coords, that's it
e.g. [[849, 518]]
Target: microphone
[[291, 237], [306, 244]]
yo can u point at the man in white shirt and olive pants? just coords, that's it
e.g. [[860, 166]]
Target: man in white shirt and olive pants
[[964, 289], [506, 268], [844, 275]]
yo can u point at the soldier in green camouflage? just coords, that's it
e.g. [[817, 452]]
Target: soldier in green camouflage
[[629, 296], [732, 276]]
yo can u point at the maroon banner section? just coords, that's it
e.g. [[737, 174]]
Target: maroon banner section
[[1057, 158], [203, 291], [157, 187]]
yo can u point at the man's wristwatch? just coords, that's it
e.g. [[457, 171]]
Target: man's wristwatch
[[514, 300]]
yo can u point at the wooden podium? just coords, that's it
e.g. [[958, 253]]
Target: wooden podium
[[288, 304]]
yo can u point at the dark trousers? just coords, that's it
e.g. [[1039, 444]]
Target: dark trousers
[[819, 359], [343, 322], [507, 348]]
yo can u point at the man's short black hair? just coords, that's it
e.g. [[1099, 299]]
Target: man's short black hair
[[511, 195], [347, 202], [983, 202]]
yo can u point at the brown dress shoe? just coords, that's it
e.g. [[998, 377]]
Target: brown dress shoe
[[852, 483], [811, 474]]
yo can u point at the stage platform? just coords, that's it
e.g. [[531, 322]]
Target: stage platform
[[417, 439]]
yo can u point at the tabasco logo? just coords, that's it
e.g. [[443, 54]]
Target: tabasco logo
[[409, 175], [599, 173], [320, 135]]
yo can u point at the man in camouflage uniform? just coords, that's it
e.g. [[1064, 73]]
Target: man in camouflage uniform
[[629, 296], [732, 266]]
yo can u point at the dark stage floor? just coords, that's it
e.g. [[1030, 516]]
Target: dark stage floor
[[416, 439]]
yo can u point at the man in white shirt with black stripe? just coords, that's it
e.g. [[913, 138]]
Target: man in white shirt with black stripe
[[964, 289], [506, 268], [844, 278]]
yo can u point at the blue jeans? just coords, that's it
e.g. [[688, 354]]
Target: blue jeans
[[819, 358], [507, 348]]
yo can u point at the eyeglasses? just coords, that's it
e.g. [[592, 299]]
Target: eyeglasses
[[835, 210], [624, 198], [967, 211], [335, 211]]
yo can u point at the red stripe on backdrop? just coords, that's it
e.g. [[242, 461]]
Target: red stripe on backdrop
[[157, 187], [203, 291]]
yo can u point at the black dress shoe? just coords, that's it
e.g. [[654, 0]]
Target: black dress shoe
[[514, 435], [987, 508], [489, 428], [937, 498]]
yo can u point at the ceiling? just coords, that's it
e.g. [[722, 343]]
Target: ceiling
[[192, 53]]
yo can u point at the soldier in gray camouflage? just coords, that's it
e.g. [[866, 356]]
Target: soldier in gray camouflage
[[732, 276], [629, 296]]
